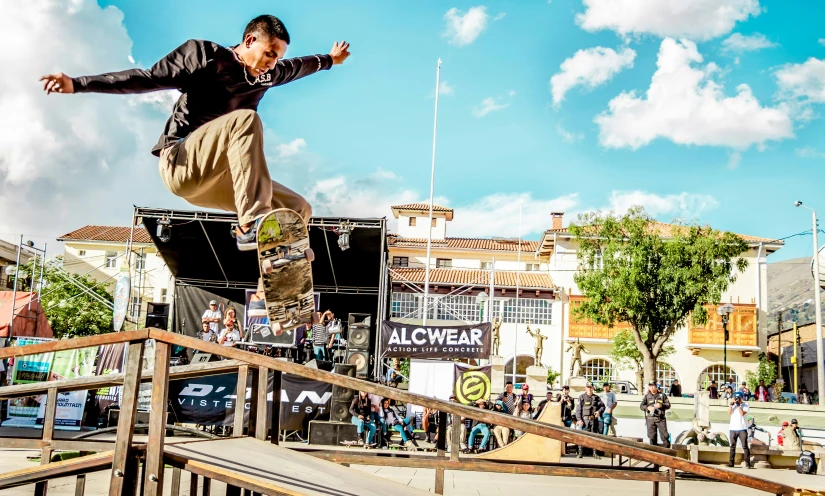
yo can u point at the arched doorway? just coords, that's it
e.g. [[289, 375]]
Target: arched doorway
[[717, 373], [522, 362], [598, 370], [665, 375]]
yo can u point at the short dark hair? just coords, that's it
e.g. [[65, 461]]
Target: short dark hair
[[508, 383], [269, 26]]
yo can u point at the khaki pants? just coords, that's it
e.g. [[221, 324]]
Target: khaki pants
[[502, 435], [221, 165]]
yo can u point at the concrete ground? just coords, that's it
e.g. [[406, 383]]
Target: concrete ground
[[456, 483]]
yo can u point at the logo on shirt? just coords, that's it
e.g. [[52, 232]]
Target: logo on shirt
[[264, 79]]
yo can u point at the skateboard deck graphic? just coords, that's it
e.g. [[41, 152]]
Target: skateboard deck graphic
[[284, 259]]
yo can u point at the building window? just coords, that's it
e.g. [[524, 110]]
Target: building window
[[531, 267], [443, 263], [404, 306], [134, 306], [412, 221], [81, 253], [665, 375], [163, 293], [456, 307], [534, 310], [111, 259], [140, 262], [400, 261], [719, 374], [486, 265], [522, 362], [598, 370], [432, 222]]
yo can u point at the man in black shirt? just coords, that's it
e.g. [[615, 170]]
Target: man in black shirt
[[588, 412], [211, 151], [568, 407], [655, 403]]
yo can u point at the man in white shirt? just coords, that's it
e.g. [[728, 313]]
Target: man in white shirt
[[738, 411], [213, 316], [229, 336]]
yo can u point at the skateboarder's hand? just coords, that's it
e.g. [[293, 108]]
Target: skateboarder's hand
[[339, 52], [57, 83]]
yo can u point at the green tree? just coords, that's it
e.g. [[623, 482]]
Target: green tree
[[765, 371], [552, 376], [626, 354], [655, 277], [71, 311]]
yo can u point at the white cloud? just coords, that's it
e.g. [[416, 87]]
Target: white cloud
[[498, 215], [500, 16], [695, 19], [821, 41], [71, 160], [488, 105], [589, 67], [286, 150], [741, 43], [685, 105], [734, 159], [568, 136], [446, 89], [682, 205], [463, 29], [809, 152], [803, 81], [511, 93]]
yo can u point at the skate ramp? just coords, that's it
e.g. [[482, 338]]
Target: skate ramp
[[531, 447], [267, 468]]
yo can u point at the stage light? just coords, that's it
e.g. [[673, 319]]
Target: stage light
[[164, 231], [343, 236]]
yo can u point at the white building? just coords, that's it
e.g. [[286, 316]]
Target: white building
[[100, 253], [544, 271]]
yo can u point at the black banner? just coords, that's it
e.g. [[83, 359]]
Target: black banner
[[110, 361], [412, 341], [211, 400], [472, 383]]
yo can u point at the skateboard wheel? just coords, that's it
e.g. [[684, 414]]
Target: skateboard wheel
[[309, 254], [266, 266]]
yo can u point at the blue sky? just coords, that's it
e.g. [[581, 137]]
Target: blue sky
[[358, 138]]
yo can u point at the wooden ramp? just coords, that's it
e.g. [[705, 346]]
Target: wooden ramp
[[39, 473], [532, 447], [270, 469]]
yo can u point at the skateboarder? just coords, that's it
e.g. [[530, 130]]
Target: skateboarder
[[211, 151]]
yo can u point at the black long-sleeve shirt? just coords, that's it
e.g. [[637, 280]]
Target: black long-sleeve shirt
[[212, 79]]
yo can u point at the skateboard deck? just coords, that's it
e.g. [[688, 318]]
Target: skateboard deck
[[284, 261]]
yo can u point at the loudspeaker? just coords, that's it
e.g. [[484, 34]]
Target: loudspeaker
[[341, 396], [331, 433], [358, 338], [319, 364], [361, 360], [157, 315]]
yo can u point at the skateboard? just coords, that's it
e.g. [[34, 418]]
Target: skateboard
[[284, 259]]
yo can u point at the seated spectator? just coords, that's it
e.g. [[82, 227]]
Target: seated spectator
[[804, 397], [478, 427], [752, 428], [781, 436], [450, 431], [508, 397], [230, 334], [361, 411], [713, 390], [744, 389], [524, 396], [791, 436], [429, 423], [675, 389], [526, 412], [206, 333], [501, 433], [728, 393], [543, 403], [393, 420]]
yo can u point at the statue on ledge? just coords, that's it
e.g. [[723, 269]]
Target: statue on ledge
[[496, 334], [577, 348], [539, 343]]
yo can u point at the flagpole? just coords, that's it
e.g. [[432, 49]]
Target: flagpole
[[518, 284], [432, 184]]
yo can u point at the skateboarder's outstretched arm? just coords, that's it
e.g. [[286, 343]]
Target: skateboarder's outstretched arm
[[171, 72], [289, 70]]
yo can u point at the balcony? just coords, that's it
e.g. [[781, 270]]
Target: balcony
[[741, 328], [587, 329]]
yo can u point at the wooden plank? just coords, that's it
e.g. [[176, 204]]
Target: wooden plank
[[207, 486], [176, 471], [472, 465], [441, 447], [41, 488], [275, 414], [100, 381], [260, 403], [67, 468], [80, 485], [153, 466], [671, 476], [455, 445], [252, 413], [193, 483], [651, 454], [121, 474], [240, 400], [75, 343]]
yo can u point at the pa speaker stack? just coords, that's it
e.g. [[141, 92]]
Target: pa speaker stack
[[341, 396], [358, 343], [157, 315]]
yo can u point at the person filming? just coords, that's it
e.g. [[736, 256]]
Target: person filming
[[738, 411]]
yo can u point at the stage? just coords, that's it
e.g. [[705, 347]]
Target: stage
[[201, 254]]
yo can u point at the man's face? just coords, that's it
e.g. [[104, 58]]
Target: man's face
[[262, 53], [590, 390], [653, 388], [206, 326], [565, 391], [509, 388], [607, 388], [213, 307]]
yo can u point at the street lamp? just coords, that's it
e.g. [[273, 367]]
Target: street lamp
[[820, 371], [724, 311], [481, 299]]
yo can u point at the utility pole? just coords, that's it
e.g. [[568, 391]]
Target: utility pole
[[820, 354], [795, 359], [432, 184]]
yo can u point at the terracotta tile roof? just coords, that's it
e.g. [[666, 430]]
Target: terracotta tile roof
[[107, 233], [419, 207], [664, 229], [475, 277], [464, 243]]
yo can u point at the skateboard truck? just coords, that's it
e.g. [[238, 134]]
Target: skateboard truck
[[268, 266]]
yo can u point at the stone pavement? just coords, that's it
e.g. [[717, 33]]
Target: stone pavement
[[456, 483]]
